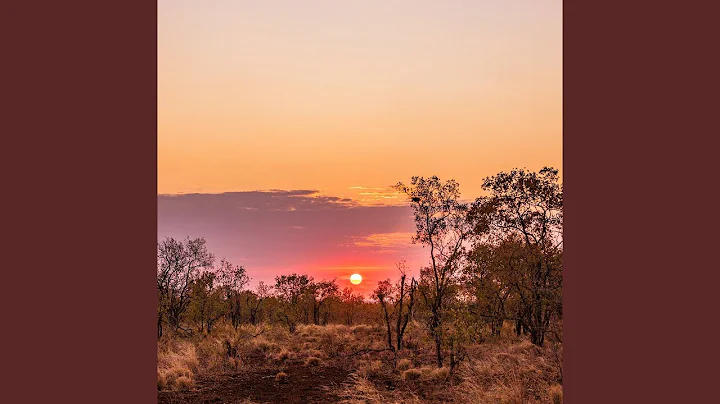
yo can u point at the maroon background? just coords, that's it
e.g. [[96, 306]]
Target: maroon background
[[79, 167], [640, 105], [79, 202]]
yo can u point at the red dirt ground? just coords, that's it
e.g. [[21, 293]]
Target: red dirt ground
[[304, 385]]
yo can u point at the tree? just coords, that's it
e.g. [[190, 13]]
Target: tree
[[254, 301], [441, 224], [397, 303], [207, 303], [488, 282], [350, 304], [525, 209], [290, 290], [232, 279], [321, 292], [178, 264]]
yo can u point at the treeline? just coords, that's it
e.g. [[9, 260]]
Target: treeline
[[194, 292], [493, 261]]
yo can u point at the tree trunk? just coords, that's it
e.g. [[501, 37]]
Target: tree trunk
[[438, 351], [537, 337]]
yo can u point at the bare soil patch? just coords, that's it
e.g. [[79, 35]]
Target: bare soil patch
[[258, 385]]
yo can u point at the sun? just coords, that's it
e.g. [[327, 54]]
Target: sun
[[355, 279]]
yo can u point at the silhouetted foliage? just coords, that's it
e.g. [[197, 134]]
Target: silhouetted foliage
[[493, 261]]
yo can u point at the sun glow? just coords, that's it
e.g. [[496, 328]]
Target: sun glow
[[355, 279]]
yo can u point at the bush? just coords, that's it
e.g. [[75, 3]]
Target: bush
[[313, 361], [411, 374], [283, 356], [369, 369], [281, 377], [170, 376], [556, 393], [183, 383], [161, 382], [440, 374], [404, 364], [235, 363], [427, 371]]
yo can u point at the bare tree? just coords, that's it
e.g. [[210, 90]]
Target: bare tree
[[396, 302]]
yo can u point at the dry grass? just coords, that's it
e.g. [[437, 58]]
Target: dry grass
[[183, 383], [313, 361], [283, 356], [281, 377], [370, 369], [505, 370], [412, 374], [360, 390], [440, 374], [509, 373], [161, 382], [556, 393], [404, 364], [177, 364]]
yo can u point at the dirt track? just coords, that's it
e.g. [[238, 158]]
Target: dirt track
[[304, 385]]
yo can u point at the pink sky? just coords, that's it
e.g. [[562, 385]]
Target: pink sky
[[274, 233]]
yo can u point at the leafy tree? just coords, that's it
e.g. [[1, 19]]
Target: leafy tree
[[526, 208], [349, 307], [487, 278], [232, 280], [291, 290], [321, 292], [178, 264], [207, 303], [254, 301], [441, 224]]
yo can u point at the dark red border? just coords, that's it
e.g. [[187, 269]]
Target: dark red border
[[79, 201], [639, 306]]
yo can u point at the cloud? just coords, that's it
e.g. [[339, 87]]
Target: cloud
[[378, 196], [275, 232], [384, 240]]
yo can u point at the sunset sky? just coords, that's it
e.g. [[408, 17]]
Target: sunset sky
[[328, 103]]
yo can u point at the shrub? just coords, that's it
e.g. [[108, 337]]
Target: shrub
[[404, 364], [427, 371], [183, 383], [282, 356], [313, 361], [556, 393], [369, 369], [234, 363], [171, 375], [411, 374], [161, 382], [440, 374], [281, 377]]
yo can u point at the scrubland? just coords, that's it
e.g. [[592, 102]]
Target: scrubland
[[350, 364]]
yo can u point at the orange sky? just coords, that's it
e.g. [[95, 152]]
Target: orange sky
[[343, 96]]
